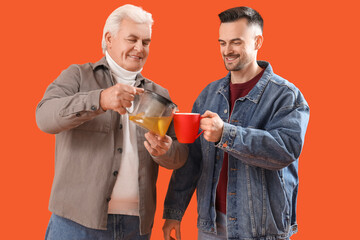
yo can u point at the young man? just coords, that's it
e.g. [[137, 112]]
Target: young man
[[245, 165], [106, 167]]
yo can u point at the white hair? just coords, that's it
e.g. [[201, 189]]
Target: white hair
[[112, 24]]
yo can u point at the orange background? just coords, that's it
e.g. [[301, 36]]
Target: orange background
[[313, 44]]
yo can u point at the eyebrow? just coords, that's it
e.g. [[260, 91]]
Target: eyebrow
[[134, 36], [232, 40]]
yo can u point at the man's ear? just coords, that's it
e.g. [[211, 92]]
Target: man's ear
[[259, 39], [108, 39]]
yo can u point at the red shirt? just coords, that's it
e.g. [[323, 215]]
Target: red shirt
[[237, 90]]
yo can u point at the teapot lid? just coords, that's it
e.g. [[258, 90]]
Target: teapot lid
[[160, 98]]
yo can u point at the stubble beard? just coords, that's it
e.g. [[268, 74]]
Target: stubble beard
[[234, 67]]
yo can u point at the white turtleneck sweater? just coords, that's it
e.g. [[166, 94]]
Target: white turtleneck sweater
[[125, 195]]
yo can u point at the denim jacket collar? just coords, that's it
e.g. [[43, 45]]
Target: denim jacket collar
[[255, 94]]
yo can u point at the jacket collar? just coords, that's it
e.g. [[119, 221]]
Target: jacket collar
[[255, 93], [102, 63]]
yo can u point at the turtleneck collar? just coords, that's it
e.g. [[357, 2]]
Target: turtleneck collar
[[120, 72]]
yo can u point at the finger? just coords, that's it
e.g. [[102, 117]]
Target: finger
[[165, 139], [121, 110], [127, 97], [151, 137], [208, 114], [125, 103], [139, 90], [206, 124], [156, 141], [162, 142], [126, 88], [177, 232], [166, 232], [151, 150]]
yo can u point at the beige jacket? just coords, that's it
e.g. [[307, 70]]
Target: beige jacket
[[89, 146]]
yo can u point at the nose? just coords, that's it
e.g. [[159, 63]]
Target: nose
[[228, 49], [138, 46]]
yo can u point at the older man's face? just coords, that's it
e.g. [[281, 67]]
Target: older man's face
[[130, 48]]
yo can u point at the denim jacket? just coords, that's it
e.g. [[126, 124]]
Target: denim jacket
[[263, 137]]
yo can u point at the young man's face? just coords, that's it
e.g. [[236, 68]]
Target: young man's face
[[238, 44], [130, 48]]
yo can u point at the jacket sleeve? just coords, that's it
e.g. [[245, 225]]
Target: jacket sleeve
[[64, 107], [183, 182], [274, 147]]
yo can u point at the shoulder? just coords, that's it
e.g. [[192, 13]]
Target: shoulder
[[285, 89], [86, 67]]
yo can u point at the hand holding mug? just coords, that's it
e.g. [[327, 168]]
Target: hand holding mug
[[212, 125]]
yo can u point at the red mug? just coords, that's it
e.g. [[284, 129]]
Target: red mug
[[187, 126]]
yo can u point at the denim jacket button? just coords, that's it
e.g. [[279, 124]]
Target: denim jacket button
[[225, 111]]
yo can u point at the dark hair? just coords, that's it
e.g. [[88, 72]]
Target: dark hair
[[236, 13]]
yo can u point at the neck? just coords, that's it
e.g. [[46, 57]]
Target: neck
[[246, 74], [120, 72]]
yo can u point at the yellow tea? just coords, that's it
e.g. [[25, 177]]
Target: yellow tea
[[158, 125]]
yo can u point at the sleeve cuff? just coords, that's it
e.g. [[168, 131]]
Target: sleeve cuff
[[173, 214], [227, 137], [93, 103]]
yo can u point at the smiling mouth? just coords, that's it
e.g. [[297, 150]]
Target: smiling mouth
[[138, 58], [231, 58]]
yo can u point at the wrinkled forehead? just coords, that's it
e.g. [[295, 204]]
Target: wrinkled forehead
[[129, 27]]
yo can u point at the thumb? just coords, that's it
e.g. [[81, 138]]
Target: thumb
[[139, 90]]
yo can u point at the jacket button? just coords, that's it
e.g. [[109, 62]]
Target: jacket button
[[93, 108], [119, 150], [115, 173], [108, 199], [225, 111], [120, 127], [78, 115]]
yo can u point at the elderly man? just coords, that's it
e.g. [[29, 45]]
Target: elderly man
[[245, 166], [106, 167]]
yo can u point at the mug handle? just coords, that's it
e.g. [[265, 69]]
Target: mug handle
[[201, 131]]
